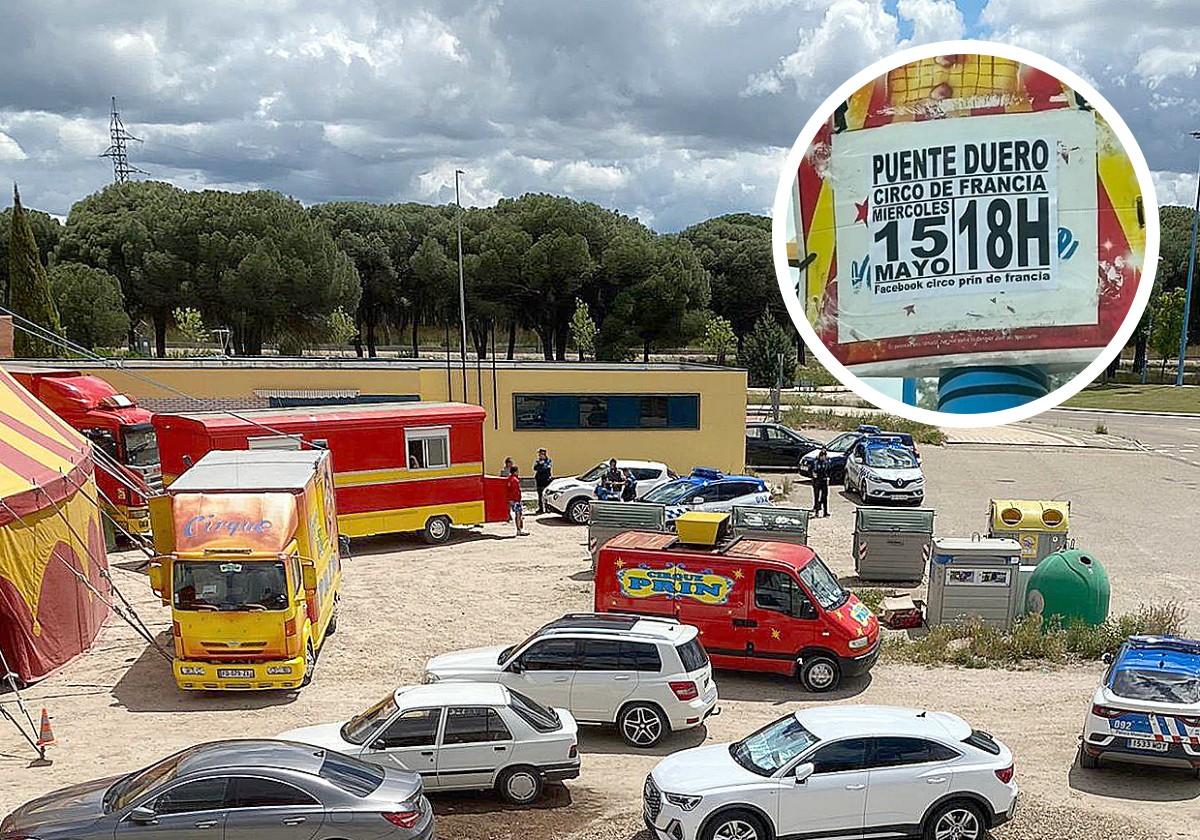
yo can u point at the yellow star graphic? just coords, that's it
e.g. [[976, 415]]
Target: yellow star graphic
[[620, 564], [775, 634], [738, 574]]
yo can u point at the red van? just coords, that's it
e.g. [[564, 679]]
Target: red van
[[760, 606]]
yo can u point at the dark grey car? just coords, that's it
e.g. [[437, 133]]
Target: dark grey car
[[236, 790]]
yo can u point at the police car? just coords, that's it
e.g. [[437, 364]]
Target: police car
[[709, 490], [883, 468], [839, 448], [1147, 709]]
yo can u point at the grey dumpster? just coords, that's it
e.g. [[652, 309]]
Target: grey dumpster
[[611, 518], [974, 577], [767, 522], [892, 543]]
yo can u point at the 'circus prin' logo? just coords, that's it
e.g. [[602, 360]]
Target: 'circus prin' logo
[[675, 582]]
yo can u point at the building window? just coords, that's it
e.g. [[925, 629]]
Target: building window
[[606, 411], [428, 449]]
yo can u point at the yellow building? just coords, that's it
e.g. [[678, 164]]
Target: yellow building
[[684, 415]]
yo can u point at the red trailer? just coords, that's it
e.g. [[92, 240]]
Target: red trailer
[[114, 423], [410, 466]]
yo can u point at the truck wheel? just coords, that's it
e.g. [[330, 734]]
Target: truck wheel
[[1086, 761], [437, 530], [580, 512], [519, 785], [820, 672], [642, 725], [310, 664]]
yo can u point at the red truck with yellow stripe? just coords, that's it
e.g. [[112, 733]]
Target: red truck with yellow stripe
[[397, 467]]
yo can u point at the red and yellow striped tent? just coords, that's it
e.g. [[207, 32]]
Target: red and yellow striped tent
[[52, 549]]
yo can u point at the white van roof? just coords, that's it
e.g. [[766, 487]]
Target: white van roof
[[252, 469]]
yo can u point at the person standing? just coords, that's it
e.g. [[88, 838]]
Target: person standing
[[820, 483], [629, 492], [516, 508], [542, 473], [506, 470]]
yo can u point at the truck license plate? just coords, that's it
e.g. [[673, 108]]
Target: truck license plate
[[235, 673], [1146, 744]]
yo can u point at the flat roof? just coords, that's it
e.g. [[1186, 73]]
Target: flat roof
[[266, 416], [333, 362], [249, 469]]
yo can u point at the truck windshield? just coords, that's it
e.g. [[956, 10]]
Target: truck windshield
[[818, 580], [360, 727], [773, 746], [230, 585], [141, 445]]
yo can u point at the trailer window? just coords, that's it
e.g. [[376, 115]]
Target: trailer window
[[428, 449]]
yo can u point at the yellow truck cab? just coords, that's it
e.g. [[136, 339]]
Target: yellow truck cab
[[248, 560]]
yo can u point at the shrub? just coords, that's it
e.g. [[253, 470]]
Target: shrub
[[800, 418]]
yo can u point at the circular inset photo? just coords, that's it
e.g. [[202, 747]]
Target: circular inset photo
[[965, 233]]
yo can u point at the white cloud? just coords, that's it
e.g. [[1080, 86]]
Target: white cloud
[[932, 20], [1175, 187], [585, 175], [10, 150]]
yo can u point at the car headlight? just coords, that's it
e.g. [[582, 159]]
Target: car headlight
[[430, 678], [191, 670], [871, 474], [682, 800], [859, 643]]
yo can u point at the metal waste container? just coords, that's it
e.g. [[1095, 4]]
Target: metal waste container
[[974, 576], [767, 522], [1039, 525], [611, 518], [892, 543]]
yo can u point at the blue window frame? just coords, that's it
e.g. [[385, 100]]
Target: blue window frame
[[606, 411]]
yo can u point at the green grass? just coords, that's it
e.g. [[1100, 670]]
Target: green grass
[[1139, 398], [975, 645], [801, 418]]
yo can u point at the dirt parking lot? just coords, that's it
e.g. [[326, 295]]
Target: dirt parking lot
[[116, 708]]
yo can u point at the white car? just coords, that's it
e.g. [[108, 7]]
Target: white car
[[571, 497], [878, 470], [649, 676], [837, 771], [1147, 708], [460, 736]]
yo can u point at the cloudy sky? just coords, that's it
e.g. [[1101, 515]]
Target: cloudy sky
[[672, 111]]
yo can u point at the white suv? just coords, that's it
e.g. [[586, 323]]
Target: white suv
[[571, 496], [837, 771], [649, 676]]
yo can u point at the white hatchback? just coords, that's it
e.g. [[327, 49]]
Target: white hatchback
[[649, 676], [837, 771], [571, 496], [459, 736]]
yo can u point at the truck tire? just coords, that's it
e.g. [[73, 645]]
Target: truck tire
[[579, 512], [437, 530], [310, 664], [820, 672], [519, 785]]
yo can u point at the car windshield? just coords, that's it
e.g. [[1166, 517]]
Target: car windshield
[[131, 788], [360, 727], [842, 442], [141, 445], [890, 459], [672, 493], [350, 774], [230, 585], [594, 473], [772, 747], [541, 718], [1156, 686], [818, 580]]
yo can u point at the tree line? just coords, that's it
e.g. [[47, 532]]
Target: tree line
[[271, 271]]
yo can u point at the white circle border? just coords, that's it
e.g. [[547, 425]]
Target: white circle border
[[781, 210]]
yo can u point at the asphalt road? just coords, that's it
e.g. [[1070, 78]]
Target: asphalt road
[[1173, 437]]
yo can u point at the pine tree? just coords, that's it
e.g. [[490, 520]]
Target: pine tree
[[29, 287]]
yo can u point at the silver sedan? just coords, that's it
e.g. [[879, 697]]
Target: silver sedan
[[236, 790]]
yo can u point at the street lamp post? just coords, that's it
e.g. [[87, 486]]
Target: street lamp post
[[1187, 295], [462, 293]]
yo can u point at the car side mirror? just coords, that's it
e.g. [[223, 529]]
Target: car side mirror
[[143, 815], [1107, 658], [378, 744], [803, 772], [698, 500]]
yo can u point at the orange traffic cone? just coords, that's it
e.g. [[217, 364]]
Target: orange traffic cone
[[45, 736]]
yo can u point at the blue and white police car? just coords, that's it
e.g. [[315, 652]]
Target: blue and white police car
[[1147, 709], [708, 489]]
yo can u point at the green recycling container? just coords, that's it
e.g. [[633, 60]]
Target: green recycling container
[[1070, 584]]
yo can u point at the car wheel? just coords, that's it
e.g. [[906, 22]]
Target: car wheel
[[580, 511], [959, 820], [734, 825], [1086, 761], [642, 725], [437, 530], [862, 489], [519, 785], [310, 664], [820, 673], [331, 627]]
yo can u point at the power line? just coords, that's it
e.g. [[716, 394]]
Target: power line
[[118, 147]]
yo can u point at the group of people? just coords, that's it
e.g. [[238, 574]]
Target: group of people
[[617, 484], [543, 470]]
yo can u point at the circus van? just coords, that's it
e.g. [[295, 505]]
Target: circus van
[[248, 558], [397, 467], [760, 605]]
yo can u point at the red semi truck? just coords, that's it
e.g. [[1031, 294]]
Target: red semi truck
[[115, 424]]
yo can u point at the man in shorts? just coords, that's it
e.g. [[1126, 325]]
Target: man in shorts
[[516, 508]]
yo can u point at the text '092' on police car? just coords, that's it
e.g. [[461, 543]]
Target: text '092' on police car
[[1147, 708]]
